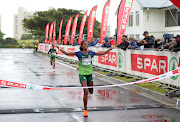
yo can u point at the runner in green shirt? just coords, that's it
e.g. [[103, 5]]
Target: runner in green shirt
[[85, 68], [53, 53]]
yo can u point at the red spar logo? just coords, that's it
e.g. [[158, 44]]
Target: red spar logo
[[59, 52], [71, 50], [12, 84], [150, 64], [176, 71], [41, 47], [46, 47], [108, 59]]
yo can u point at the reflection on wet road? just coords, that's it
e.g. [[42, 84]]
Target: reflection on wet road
[[106, 104]]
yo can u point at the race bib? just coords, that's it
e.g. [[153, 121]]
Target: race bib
[[86, 61], [53, 53]]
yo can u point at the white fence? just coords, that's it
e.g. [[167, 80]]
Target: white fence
[[146, 63]]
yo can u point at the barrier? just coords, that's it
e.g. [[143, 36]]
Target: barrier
[[146, 63]]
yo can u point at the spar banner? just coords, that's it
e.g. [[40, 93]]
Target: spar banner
[[123, 16], [104, 21], [151, 64], [109, 59], [73, 31], [51, 32], [46, 33], [54, 31], [60, 31], [83, 22], [176, 3], [68, 26], [91, 20]]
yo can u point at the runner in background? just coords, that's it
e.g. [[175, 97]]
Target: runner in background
[[36, 46], [52, 53], [85, 68]]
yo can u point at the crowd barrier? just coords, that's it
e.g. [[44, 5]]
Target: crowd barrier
[[144, 63]]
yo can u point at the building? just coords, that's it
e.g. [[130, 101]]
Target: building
[[155, 16], [50, 7], [18, 24]]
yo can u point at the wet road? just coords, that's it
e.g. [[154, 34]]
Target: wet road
[[106, 104]]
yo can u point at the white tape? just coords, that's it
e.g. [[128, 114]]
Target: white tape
[[30, 86]]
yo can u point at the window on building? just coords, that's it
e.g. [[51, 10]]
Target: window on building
[[169, 20], [137, 36], [130, 22], [137, 18]]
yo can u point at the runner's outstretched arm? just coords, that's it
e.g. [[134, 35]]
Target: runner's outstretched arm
[[103, 53], [66, 53]]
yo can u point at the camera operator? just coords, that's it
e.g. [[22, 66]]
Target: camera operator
[[148, 41]]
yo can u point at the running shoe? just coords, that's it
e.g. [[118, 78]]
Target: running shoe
[[85, 113], [53, 70]]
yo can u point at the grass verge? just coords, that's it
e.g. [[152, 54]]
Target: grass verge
[[150, 86]]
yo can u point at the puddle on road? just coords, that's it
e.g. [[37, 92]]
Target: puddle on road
[[72, 74], [108, 93], [101, 94], [18, 61]]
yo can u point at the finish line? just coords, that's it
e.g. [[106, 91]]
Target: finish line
[[38, 87]]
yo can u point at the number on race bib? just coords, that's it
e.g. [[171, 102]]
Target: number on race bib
[[86, 61]]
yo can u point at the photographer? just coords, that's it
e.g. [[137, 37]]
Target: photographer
[[174, 44], [167, 42], [177, 47], [124, 44], [148, 41]]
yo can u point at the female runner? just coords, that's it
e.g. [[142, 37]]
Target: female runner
[[85, 68]]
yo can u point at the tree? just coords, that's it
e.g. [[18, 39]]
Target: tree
[[26, 36], [36, 25], [1, 35], [9, 40]]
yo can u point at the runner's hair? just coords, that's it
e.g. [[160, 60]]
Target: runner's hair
[[81, 49]]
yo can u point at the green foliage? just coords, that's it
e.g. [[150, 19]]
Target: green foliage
[[37, 24], [1, 35], [8, 40], [26, 36]]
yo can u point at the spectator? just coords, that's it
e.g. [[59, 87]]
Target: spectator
[[23, 45], [174, 44], [98, 42], [92, 43], [158, 44], [75, 42], [148, 41], [111, 41], [105, 43], [133, 43], [125, 36], [124, 44], [177, 48], [167, 41], [36, 47]]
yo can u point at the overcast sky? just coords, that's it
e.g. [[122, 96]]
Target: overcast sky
[[10, 7]]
